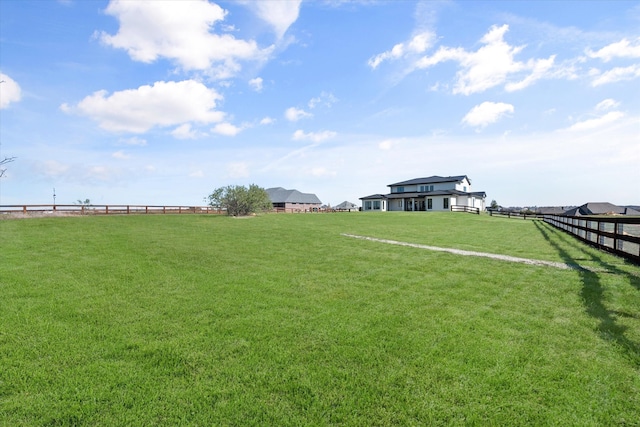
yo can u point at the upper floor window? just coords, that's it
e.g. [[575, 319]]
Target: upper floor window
[[426, 188], [399, 189], [464, 188]]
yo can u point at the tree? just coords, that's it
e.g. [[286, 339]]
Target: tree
[[4, 162], [494, 205], [239, 200]]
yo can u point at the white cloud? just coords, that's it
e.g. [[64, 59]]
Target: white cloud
[[388, 144], [607, 104], [279, 14], [226, 129], [417, 45], [9, 91], [621, 49], [256, 84], [184, 131], [179, 31], [267, 121], [163, 104], [294, 114], [597, 122], [487, 113], [134, 141], [539, 69], [121, 155], [491, 65], [325, 99], [615, 75], [300, 135]]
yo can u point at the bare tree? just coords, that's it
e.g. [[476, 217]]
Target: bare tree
[[4, 162]]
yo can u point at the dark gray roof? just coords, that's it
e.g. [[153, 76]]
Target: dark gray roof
[[280, 195], [374, 196], [601, 208], [434, 193], [432, 180], [346, 205], [551, 210]]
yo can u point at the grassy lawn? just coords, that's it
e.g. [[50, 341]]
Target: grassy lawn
[[280, 320]]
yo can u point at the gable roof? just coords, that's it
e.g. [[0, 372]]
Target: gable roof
[[280, 195], [346, 205], [600, 208], [432, 180], [374, 197]]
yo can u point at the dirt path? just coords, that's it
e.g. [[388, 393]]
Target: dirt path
[[508, 258]]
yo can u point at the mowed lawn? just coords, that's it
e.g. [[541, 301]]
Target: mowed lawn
[[281, 320]]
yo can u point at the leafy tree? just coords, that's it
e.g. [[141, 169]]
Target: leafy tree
[[239, 200], [494, 205]]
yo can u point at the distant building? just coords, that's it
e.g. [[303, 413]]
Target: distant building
[[434, 193], [602, 208], [293, 199], [551, 210], [346, 206]]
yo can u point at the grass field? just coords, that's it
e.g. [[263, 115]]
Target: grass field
[[281, 320]]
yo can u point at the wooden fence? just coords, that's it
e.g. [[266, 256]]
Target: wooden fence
[[129, 209], [106, 209], [515, 214], [461, 208], [617, 234]]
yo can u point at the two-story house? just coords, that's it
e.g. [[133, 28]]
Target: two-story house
[[434, 193]]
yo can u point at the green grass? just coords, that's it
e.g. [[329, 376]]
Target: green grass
[[280, 320]]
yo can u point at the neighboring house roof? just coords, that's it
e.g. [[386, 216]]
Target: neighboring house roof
[[601, 208], [551, 210], [432, 180], [434, 193], [346, 205], [280, 195], [374, 197]]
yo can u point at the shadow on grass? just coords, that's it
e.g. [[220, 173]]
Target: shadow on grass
[[592, 292]]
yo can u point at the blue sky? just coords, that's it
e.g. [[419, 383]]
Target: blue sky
[[160, 102]]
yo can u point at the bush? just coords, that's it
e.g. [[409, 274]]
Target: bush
[[239, 200]]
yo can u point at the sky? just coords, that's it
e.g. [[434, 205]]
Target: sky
[[161, 102]]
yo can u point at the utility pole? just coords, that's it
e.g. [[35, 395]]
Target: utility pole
[[54, 197]]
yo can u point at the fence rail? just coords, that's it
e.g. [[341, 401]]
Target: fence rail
[[106, 209], [515, 214], [129, 209], [619, 235], [462, 208]]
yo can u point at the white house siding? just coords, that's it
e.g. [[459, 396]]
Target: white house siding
[[374, 205]]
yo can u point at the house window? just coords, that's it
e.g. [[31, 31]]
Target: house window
[[445, 203], [399, 189], [376, 204], [429, 203], [399, 203], [464, 188], [367, 205]]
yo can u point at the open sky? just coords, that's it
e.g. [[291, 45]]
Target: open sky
[[161, 102]]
